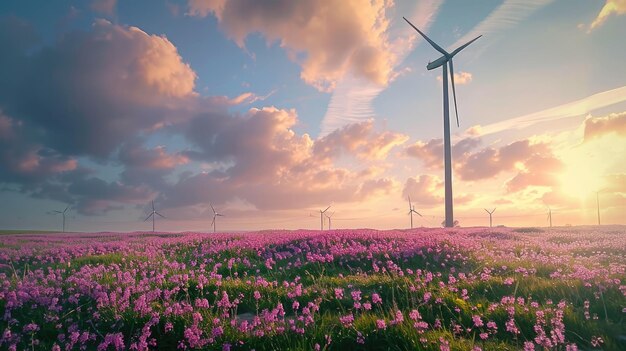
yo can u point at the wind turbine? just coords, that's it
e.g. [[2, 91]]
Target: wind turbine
[[215, 215], [152, 214], [444, 61], [329, 220], [411, 211], [63, 213], [550, 216], [322, 217], [598, 205], [490, 213]]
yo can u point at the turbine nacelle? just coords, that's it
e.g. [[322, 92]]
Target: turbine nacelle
[[437, 63]]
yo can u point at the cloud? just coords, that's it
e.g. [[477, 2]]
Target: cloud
[[431, 152], [571, 109], [615, 183], [327, 39], [122, 86], [377, 186], [92, 90], [598, 126], [156, 158], [352, 97], [257, 157], [106, 7], [424, 190], [460, 78], [534, 162], [244, 98], [505, 16], [617, 7], [94, 196], [359, 139], [26, 162], [16, 35]]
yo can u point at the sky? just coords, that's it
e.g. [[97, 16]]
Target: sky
[[274, 110]]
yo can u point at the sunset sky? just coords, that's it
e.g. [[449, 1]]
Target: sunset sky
[[273, 110]]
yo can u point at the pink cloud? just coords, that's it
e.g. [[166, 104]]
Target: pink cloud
[[257, 157], [460, 78], [425, 190], [598, 126], [24, 161], [106, 7], [123, 81], [326, 38], [359, 139], [533, 162], [157, 158], [431, 152]]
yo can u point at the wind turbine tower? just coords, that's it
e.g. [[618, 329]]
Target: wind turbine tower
[[329, 220], [490, 216], [215, 215], [153, 214], [550, 216], [322, 218], [598, 205], [411, 211], [63, 214], [443, 62]]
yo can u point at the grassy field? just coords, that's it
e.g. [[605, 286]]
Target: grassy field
[[431, 289]]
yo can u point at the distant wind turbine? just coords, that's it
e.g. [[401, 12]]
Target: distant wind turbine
[[63, 214], [550, 216], [215, 215], [411, 211], [322, 217], [598, 205], [490, 216], [329, 220], [153, 214], [444, 61]]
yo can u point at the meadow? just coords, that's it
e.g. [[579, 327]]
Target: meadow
[[431, 289]]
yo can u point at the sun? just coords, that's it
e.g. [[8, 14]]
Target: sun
[[586, 166]]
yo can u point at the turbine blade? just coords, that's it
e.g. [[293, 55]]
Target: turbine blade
[[147, 218], [486, 210], [219, 214], [210, 204], [419, 214], [68, 206], [456, 111], [464, 46], [162, 216], [494, 210], [434, 45], [410, 206], [326, 209], [57, 211], [152, 205]]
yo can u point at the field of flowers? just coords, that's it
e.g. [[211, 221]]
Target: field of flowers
[[433, 289]]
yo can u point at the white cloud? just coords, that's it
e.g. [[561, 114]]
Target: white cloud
[[353, 96], [610, 7], [505, 16], [571, 109]]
